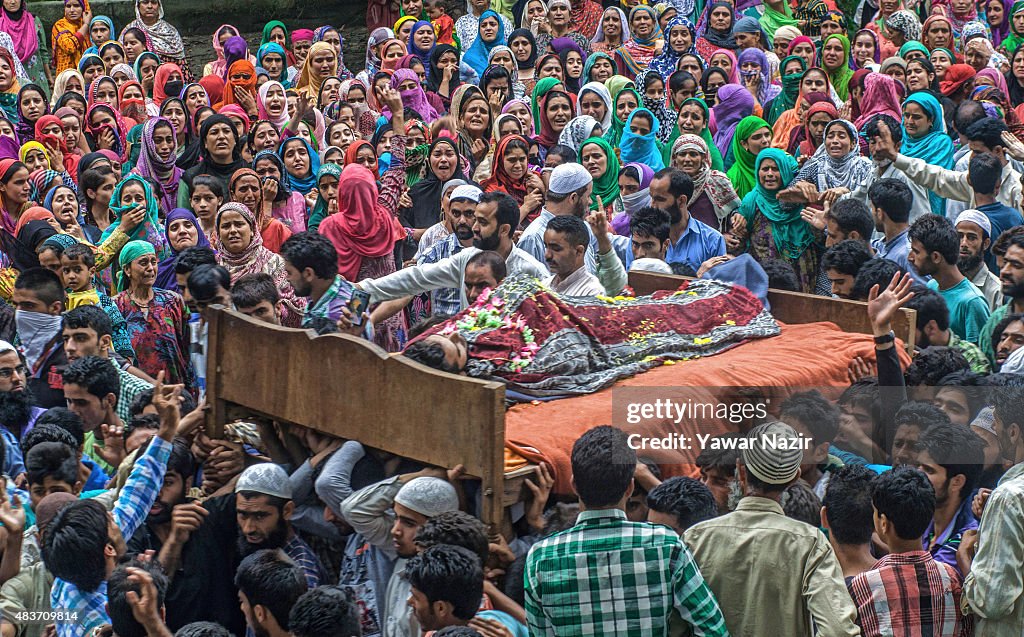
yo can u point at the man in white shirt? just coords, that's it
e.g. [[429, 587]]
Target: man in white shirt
[[495, 219], [565, 243]]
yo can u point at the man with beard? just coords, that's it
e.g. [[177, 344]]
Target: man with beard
[[690, 242], [495, 220], [39, 300], [17, 412], [311, 262], [933, 328], [1012, 277], [569, 191], [263, 507], [459, 213], [975, 232], [952, 457], [192, 542]]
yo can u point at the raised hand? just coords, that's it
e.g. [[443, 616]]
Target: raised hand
[[883, 305]]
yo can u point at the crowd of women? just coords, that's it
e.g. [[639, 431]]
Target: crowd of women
[[130, 151]]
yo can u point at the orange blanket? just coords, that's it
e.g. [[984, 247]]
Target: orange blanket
[[766, 371]]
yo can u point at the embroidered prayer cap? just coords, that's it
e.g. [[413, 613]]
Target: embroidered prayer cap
[[266, 478], [428, 496], [976, 217], [467, 192], [986, 420], [774, 453]]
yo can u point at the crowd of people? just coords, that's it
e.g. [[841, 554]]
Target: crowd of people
[[869, 150]]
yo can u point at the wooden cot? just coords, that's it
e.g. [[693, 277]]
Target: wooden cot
[[352, 389]]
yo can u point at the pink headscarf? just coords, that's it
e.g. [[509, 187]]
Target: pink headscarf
[[734, 74], [998, 79], [880, 98], [219, 66], [414, 98], [22, 32], [281, 120]]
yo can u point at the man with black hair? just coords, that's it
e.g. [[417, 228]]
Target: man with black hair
[[570, 187], [781, 275], [92, 390], [84, 542], [325, 611], [188, 260], [679, 503], [1008, 337], [874, 272], [565, 243], [975, 232], [127, 586], [841, 262], [567, 574], [907, 592], [929, 367], [691, 242], [87, 331], [848, 220], [51, 467], [311, 262], [960, 397], [459, 218], [859, 415], [984, 178], [18, 412], [991, 556], [932, 328], [812, 416], [846, 514], [207, 285], [912, 420], [256, 295], [649, 230], [717, 464], [447, 586], [891, 203], [792, 581], [484, 271], [1012, 277], [268, 585], [952, 458], [934, 249], [457, 528], [496, 219], [39, 300], [204, 629]]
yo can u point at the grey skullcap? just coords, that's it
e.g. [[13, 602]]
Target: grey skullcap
[[568, 178], [772, 457], [428, 496], [976, 217], [452, 183], [985, 420], [266, 478], [6, 347], [466, 191]]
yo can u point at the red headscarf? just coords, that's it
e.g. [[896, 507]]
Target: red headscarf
[[50, 140], [233, 86], [807, 145], [214, 86], [500, 179], [362, 227], [548, 137], [132, 109], [353, 150], [163, 73]]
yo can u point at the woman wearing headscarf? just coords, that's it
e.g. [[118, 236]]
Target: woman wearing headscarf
[[273, 105], [925, 137], [639, 143], [756, 75], [443, 76], [9, 86], [634, 186], [220, 36], [321, 63], [555, 113], [579, 129], [1015, 37], [595, 100], [835, 59], [598, 157], [443, 164], [678, 32], [719, 18], [108, 130], [422, 32], [407, 83], [490, 34], [247, 187], [881, 97], [26, 32], [274, 60], [792, 69], [714, 199], [168, 82], [599, 67], [473, 124], [288, 206], [775, 230], [70, 35], [572, 58], [509, 170], [220, 156], [741, 172], [68, 80], [805, 139], [523, 45], [157, 320], [900, 27], [638, 52], [158, 168], [734, 103], [777, 14], [182, 232], [612, 32], [653, 98], [164, 38], [626, 101], [837, 164]]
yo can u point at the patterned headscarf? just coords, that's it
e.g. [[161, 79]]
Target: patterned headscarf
[[666, 117], [150, 230], [906, 23], [163, 172]]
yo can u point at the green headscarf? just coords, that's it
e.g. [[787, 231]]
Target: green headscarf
[[1014, 39], [614, 134], [791, 233], [716, 156], [913, 45], [150, 230], [790, 91], [742, 173], [607, 185], [588, 66], [616, 83], [840, 77], [268, 27], [135, 144], [771, 20], [131, 251], [319, 212], [540, 90]]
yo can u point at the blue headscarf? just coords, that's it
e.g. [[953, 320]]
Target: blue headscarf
[[934, 147], [284, 185], [302, 184], [476, 56], [274, 47], [92, 58], [424, 56], [641, 149], [110, 25], [665, 64]]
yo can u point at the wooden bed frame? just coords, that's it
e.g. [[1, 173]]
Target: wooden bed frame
[[341, 385]]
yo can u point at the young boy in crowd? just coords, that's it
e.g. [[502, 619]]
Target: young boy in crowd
[[444, 25], [78, 265]]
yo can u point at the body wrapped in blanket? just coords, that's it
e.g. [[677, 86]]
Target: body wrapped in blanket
[[543, 345]]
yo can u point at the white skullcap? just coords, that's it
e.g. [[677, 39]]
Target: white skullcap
[[774, 453], [466, 192], [429, 497], [1014, 363], [976, 217], [266, 478], [452, 183], [7, 347], [568, 178], [647, 264]]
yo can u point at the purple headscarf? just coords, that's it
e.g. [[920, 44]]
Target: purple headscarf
[[766, 91], [414, 98], [235, 49], [565, 44], [734, 103], [1000, 32], [620, 223], [165, 278]]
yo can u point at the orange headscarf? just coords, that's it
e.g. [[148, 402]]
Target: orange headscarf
[[310, 79], [243, 68], [35, 213]]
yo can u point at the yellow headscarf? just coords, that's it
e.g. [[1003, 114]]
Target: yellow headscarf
[[401, 21], [29, 146], [309, 81]]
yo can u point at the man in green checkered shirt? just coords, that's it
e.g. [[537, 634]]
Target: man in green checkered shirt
[[606, 575]]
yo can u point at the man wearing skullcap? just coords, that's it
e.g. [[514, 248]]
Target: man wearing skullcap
[[388, 514], [458, 208], [975, 232], [569, 190], [772, 575], [496, 220]]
